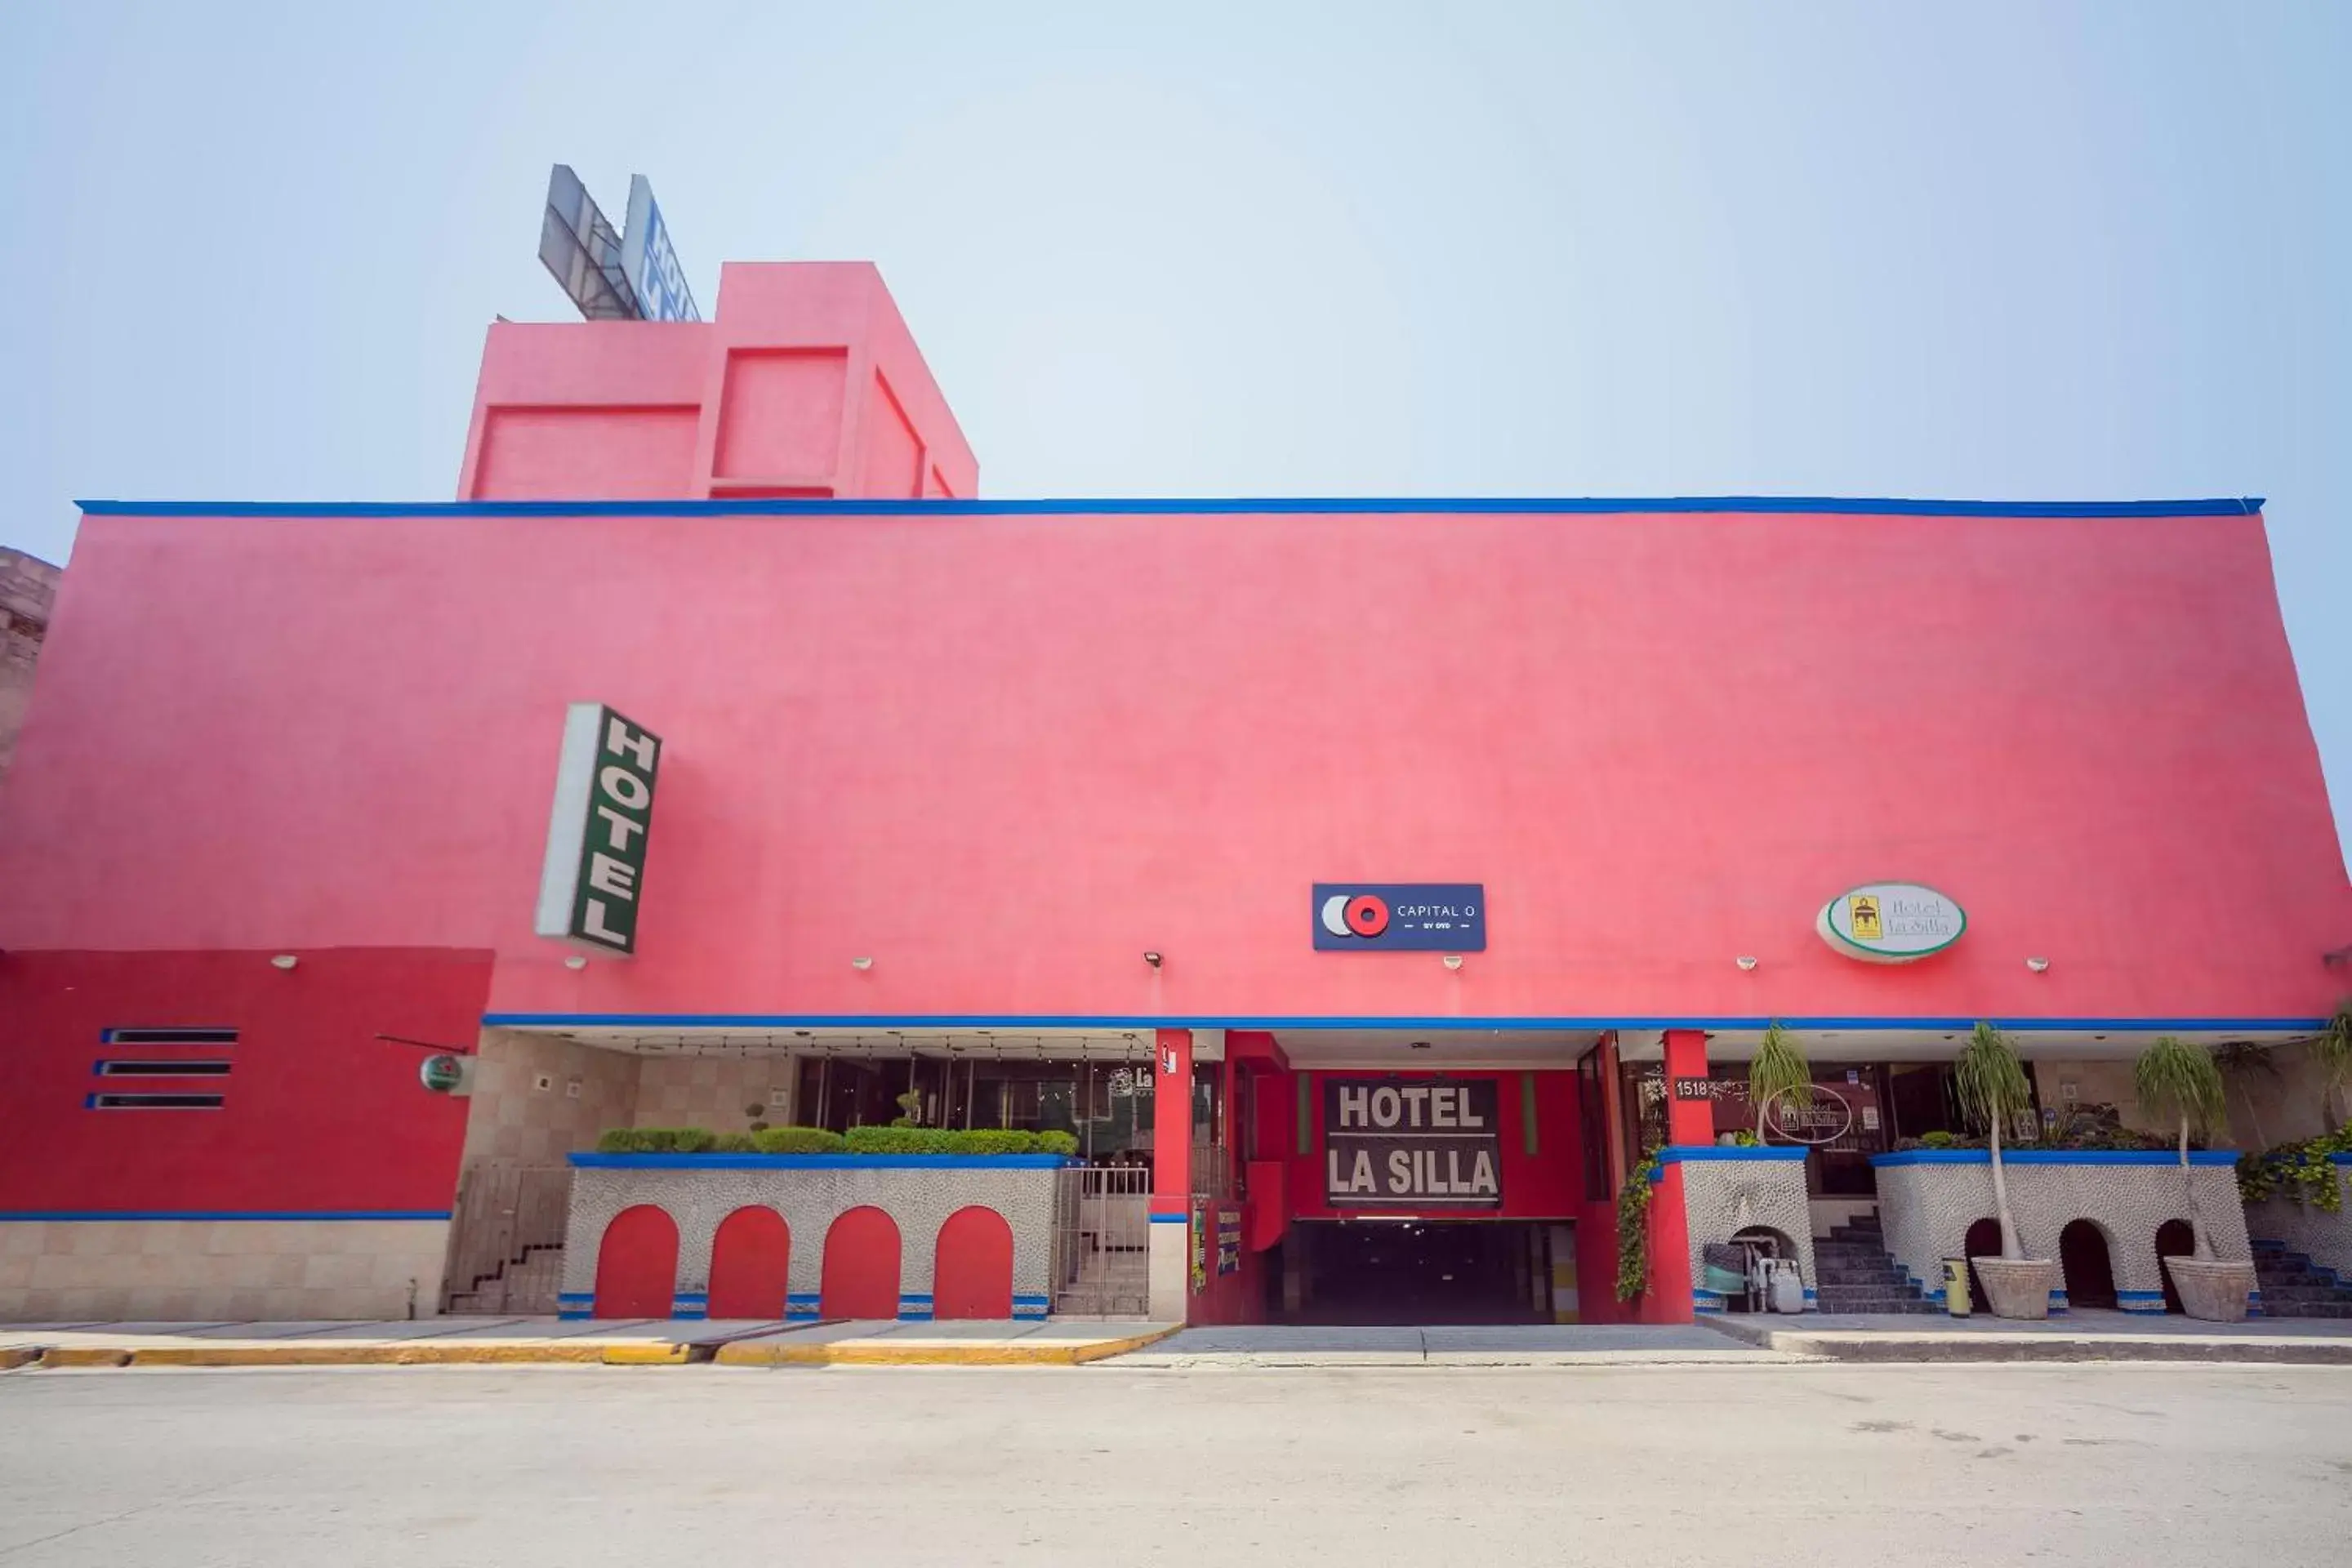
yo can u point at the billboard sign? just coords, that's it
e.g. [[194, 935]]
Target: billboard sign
[[1399, 1142], [596, 832], [1400, 916], [650, 264], [578, 244]]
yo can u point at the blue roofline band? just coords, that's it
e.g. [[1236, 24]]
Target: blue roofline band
[[1433, 506], [1262, 1021]]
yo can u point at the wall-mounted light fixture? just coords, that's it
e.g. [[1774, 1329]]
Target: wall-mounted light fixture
[[861, 963], [1452, 961], [575, 961], [1418, 1046], [2038, 965], [1745, 961], [1152, 959], [284, 960]]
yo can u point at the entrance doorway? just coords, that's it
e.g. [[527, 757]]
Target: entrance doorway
[[1369, 1272]]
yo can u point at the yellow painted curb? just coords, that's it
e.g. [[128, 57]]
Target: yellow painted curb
[[107, 1355], [914, 1352], [13, 1356], [647, 1356]]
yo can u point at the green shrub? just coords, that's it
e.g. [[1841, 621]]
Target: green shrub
[[996, 1141], [796, 1141], [656, 1140], [947, 1141], [731, 1143]]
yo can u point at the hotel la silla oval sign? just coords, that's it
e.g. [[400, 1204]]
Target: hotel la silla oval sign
[[1891, 923]]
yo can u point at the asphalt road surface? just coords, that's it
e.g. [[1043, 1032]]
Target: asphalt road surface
[[1437, 1468]]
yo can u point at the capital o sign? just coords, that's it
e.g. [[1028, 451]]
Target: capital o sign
[[1891, 923]]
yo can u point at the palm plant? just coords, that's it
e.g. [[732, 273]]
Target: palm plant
[[1991, 1081], [2332, 1049], [2178, 1082], [1778, 1071]]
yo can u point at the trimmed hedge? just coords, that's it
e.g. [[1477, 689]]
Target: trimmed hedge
[[816, 1141], [956, 1141]]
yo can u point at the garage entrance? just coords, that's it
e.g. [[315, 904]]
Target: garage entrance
[[1365, 1272]]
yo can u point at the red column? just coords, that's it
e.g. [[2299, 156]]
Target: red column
[[1687, 1120], [1171, 1124]]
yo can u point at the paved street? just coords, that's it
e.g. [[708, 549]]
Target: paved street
[[1656, 1465]]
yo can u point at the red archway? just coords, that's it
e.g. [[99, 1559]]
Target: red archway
[[861, 1266], [750, 1258], [971, 1273], [636, 1264]]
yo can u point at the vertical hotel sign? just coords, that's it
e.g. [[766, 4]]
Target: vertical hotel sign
[[603, 811]]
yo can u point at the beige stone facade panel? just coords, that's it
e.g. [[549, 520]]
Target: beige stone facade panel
[[188, 1270]]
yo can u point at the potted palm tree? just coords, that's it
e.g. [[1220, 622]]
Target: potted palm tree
[[1778, 1071], [1991, 1081], [2180, 1083]]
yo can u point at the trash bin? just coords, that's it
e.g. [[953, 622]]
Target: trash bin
[[1956, 1287], [1788, 1286]]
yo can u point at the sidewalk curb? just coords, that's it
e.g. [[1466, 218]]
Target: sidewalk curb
[[883, 1352], [411, 1354], [1888, 1347]]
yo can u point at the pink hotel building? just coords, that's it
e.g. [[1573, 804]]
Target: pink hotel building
[[1445, 857]]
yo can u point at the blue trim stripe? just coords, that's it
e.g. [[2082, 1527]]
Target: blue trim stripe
[[572, 1315], [1170, 1218], [1678, 1154], [692, 1295], [1363, 1021], [820, 1162], [922, 1295], [2054, 1157], [2139, 1295], [87, 1216], [1020, 1300], [1343, 506]]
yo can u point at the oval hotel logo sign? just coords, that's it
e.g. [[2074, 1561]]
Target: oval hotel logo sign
[[1891, 923]]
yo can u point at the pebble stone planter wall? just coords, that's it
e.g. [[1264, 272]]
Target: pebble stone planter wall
[[1927, 1199], [919, 1192], [2326, 1238], [1716, 1182]]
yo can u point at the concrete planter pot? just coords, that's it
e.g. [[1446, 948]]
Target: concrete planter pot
[[2213, 1290], [2018, 1287]]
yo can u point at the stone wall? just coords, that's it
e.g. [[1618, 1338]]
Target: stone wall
[[2325, 1237], [1723, 1193], [1927, 1207], [28, 589], [220, 1270], [537, 1099], [811, 1192], [713, 1091]]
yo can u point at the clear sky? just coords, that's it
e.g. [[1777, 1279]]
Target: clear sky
[[2014, 250]]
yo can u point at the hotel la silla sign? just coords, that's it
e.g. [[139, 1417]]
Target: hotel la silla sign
[[1891, 923], [1390, 1143], [591, 882]]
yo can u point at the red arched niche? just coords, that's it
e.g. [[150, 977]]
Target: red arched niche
[[861, 1266], [750, 1258], [636, 1266], [971, 1276]]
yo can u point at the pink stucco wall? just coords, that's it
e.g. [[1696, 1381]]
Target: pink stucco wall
[[805, 383], [1003, 754]]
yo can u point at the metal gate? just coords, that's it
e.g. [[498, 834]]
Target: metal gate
[[505, 1240], [1102, 1241]]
